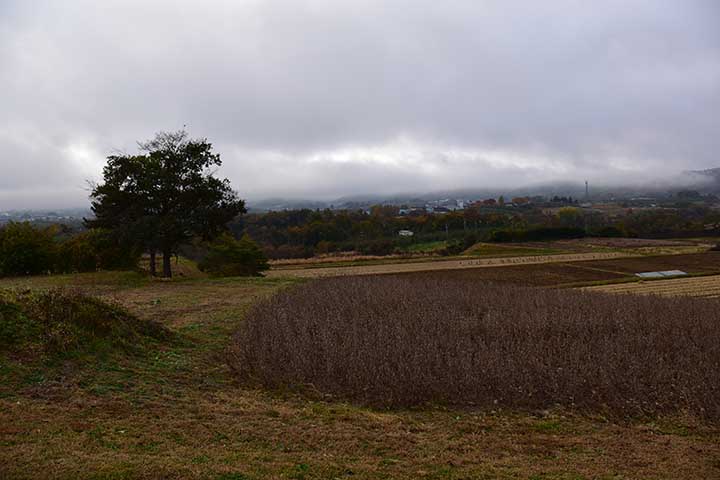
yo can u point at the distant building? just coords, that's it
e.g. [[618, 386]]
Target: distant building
[[406, 233]]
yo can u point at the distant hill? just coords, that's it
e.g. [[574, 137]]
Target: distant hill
[[703, 181], [707, 181], [712, 173], [280, 204]]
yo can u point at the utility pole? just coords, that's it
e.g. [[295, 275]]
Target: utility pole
[[587, 191]]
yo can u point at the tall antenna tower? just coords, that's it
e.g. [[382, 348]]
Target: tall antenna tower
[[587, 191]]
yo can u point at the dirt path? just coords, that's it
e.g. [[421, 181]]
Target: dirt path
[[443, 265]]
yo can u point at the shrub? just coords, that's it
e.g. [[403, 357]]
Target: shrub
[[29, 250], [609, 231], [288, 251], [377, 247], [228, 257], [94, 250], [469, 239], [403, 341], [25, 249], [536, 234], [453, 248], [77, 254]]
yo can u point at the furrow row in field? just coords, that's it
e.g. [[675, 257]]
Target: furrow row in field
[[444, 265], [695, 287]]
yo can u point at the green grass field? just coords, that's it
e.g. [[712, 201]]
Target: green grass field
[[173, 410]]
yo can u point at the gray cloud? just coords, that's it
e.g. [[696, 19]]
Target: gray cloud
[[325, 98]]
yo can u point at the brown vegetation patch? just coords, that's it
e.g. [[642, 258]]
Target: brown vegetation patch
[[394, 341]]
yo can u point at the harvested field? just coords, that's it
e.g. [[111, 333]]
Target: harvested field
[[629, 242], [399, 341], [541, 275], [584, 272], [708, 287], [442, 265], [340, 257], [696, 263]]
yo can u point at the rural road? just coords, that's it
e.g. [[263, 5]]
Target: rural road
[[440, 265]]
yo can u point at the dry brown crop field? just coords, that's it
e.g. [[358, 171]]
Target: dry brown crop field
[[407, 341], [705, 286], [178, 412]]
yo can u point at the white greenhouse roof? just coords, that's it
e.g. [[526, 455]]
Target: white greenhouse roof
[[662, 274]]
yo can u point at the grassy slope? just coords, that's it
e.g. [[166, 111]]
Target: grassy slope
[[176, 413]]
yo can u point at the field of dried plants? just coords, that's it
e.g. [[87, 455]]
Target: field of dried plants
[[393, 341]]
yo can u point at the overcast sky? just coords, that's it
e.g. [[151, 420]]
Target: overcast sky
[[320, 99]]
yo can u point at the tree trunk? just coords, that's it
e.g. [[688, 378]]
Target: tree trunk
[[167, 269], [153, 258]]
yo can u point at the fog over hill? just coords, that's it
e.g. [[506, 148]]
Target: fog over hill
[[704, 181], [318, 100]]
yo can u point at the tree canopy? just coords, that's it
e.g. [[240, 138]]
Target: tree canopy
[[165, 196]]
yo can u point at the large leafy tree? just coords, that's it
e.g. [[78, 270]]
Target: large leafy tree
[[165, 196]]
